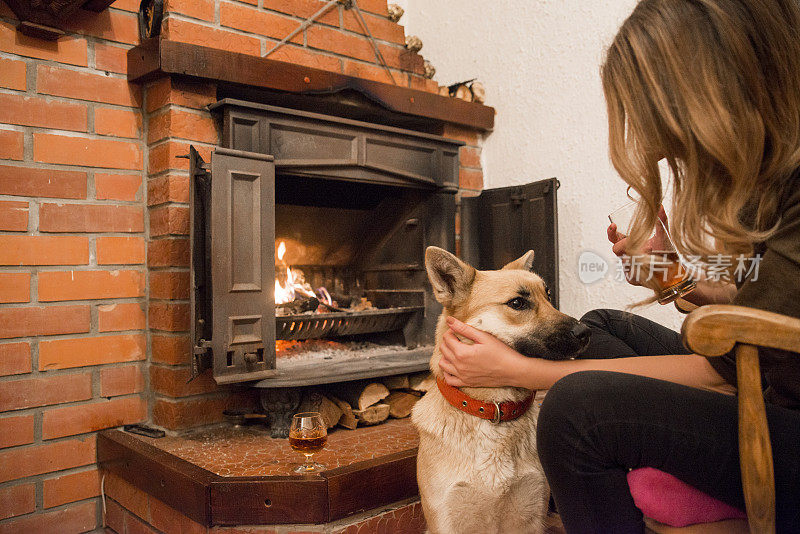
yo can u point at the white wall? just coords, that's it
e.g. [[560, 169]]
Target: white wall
[[539, 61]]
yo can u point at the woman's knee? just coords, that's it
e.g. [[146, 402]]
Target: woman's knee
[[572, 405], [600, 317]]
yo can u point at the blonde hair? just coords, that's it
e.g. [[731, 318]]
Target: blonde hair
[[713, 87]]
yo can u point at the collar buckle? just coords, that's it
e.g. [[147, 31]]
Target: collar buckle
[[498, 413]]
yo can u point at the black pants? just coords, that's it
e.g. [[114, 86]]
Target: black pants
[[594, 426]]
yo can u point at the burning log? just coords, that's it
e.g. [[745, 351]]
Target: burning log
[[300, 304], [400, 403], [374, 414]]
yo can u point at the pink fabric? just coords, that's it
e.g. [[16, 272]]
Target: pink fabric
[[668, 500]]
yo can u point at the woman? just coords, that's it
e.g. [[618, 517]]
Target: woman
[[713, 87]]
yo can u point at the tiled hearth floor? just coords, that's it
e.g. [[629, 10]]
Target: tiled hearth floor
[[249, 451]]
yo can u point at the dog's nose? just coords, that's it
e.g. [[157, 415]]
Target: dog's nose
[[581, 332]]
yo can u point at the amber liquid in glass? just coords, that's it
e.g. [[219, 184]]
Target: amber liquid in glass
[[308, 444], [672, 279]]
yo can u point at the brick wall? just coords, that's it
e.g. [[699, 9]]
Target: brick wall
[[94, 253], [73, 280]]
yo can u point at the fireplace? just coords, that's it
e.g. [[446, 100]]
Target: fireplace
[[349, 208]]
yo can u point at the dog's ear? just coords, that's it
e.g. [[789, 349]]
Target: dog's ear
[[525, 262], [450, 277]]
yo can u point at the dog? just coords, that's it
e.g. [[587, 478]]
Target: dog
[[479, 472]]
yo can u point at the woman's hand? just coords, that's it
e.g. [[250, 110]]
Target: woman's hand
[[659, 241], [488, 362]]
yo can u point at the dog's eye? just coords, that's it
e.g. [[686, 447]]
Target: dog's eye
[[518, 303]]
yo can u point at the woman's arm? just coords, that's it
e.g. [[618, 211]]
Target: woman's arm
[[711, 293], [491, 363]]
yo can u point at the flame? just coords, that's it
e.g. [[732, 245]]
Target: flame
[[293, 284]]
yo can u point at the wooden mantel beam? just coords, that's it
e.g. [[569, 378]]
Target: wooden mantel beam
[[163, 57]]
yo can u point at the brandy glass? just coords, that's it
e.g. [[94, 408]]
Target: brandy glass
[[667, 270], [308, 435]]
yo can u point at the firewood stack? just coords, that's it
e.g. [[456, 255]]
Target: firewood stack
[[367, 402]]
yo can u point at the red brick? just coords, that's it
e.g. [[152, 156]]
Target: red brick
[[187, 32], [253, 20], [117, 122], [86, 86], [120, 250], [302, 9], [169, 285], [43, 321], [51, 148], [90, 218], [82, 285], [15, 359], [108, 24], [67, 49], [70, 488], [81, 517], [169, 316], [71, 420], [117, 186], [186, 413], [371, 72], [29, 182], [380, 27], [169, 188], [78, 352], [174, 382], [41, 391], [199, 9], [470, 179], [13, 218], [401, 58], [45, 458], [121, 381], [43, 250], [15, 287], [12, 143], [169, 252], [115, 317], [12, 74], [182, 124], [172, 350], [186, 93], [378, 7], [17, 500], [169, 220], [16, 431], [114, 517], [127, 5], [111, 58], [346, 44], [470, 157], [306, 57], [421, 83], [168, 155], [37, 111]]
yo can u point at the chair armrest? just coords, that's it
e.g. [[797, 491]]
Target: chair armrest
[[713, 330]]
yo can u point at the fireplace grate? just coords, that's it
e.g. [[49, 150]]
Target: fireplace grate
[[308, 326]]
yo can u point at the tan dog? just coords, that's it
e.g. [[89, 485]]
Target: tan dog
[[475, 475]]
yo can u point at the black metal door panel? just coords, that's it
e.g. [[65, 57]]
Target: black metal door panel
[[502, 224]]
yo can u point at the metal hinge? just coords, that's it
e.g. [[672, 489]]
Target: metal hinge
[[201, 358]]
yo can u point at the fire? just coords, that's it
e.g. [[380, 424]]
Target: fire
[[295, 283]]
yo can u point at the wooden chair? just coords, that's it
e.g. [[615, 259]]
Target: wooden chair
[[715, 330]]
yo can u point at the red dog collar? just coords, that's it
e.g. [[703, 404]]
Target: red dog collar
[[492, 411]]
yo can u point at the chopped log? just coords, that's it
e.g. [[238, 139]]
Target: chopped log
[[478, 92], [464, 93], [361, 394], [421, 381], [348, 419], [331, 412], [444, 90], [373, 415], [396, 382], [400, 403]]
